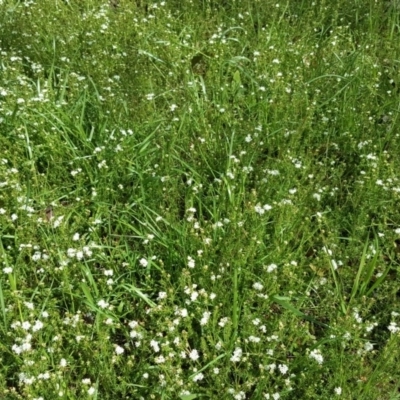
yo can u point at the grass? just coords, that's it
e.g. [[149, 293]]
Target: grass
[[199, 200]]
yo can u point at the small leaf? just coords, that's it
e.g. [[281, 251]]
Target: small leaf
[[188, 396]]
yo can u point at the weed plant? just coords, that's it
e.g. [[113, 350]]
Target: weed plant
[[199, 199]]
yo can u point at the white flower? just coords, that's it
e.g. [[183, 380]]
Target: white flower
[[75, 237], [283, 368], [258, 286], [119, 350], [91, 391], [258, 209], [338, 391], [7, 270], [254, 339], [271, 267], [237, 355], [154, 344], [393, 327], [205, 318], [191, 262], [143, 262], [26, 325], [317, 356], [102, 304], [71, 253], [63, 362], [150, 96], [194, 355], [198, 377], [87, 251], [38, 326]]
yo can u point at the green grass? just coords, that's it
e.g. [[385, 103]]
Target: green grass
[[199, 199]]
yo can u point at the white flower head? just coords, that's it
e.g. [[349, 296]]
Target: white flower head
[[194, 355], [143, 262], [317, 356]]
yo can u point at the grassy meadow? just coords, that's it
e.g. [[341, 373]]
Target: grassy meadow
[[199, 199]]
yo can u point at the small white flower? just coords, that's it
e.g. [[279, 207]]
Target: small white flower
[[76, 237], [317, 356], [194, 355], [271, 267], [91, 391], [102, 304], [258, 286], [150, 96], [283, 368], [119, 350], [143, 262], [26, 325], [71, 253], [154, 344], [63, 362], [198, 377], [237, 355], [259, 210], [205, 318], [393, 328], [162, 295], [191, 262], [338, 391], [7, 270], [38, 326], [368, 346], [254, 339]]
